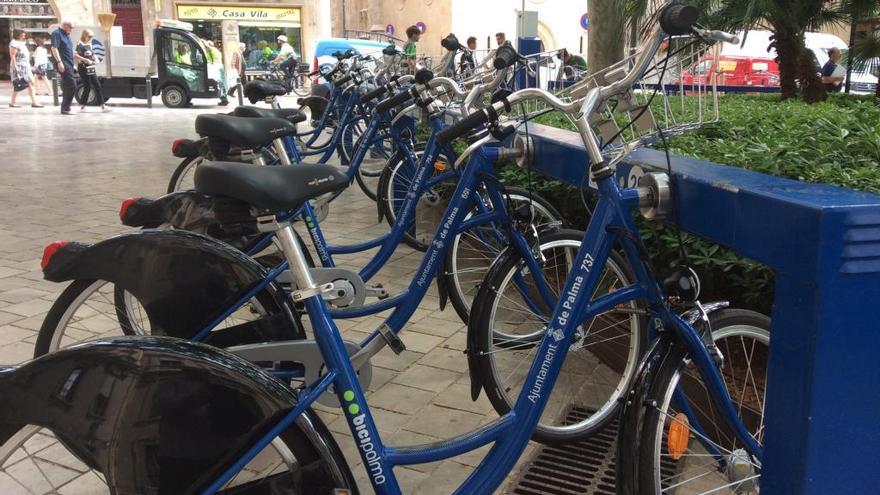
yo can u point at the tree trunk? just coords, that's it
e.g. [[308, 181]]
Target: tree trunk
[[788, 47], [812, 89], [606, 35]]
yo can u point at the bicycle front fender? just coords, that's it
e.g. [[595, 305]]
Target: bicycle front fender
[[182, 279], [152, 414]]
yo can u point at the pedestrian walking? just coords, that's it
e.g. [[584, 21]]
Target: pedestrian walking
[[41, 67], [62, 54], [413, 34], [20, 68], [87, 70], [467, 63], [238, 67], [216, 70]]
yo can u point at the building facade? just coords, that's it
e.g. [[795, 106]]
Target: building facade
[[226, 23], [559, 23]]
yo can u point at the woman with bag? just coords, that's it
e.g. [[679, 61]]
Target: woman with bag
[[20, 68], [86, 61]]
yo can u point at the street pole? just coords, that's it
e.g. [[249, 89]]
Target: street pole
[[343, 19]]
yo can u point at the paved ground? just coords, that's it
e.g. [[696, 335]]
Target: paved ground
[[63, 177]]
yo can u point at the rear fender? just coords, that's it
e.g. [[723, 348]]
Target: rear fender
[[154, 414], [222, 218], [182, 279], [189, 148]]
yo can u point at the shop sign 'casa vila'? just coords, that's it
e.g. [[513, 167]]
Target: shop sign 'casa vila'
[[237, 13]]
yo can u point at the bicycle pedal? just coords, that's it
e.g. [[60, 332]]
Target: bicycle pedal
[[392, 339], [377, 291]]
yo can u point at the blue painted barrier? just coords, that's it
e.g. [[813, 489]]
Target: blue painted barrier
[[823, 243]]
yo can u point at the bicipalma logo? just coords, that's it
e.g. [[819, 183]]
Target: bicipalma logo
[[364, 440]]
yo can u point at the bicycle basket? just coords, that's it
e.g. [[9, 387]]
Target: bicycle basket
[[676, 94]]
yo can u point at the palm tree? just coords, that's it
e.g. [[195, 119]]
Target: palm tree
[[865, 55], [605, 38], [787, 19], [857, 10]]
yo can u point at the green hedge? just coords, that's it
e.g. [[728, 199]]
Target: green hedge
[[835, 142]]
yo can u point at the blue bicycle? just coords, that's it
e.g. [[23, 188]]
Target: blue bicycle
[[153, 415]]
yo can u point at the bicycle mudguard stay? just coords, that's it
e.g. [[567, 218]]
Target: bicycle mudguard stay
[[183, 280], [157, 415]]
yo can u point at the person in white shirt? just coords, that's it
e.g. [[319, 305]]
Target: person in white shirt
[[41, 67], [285, 51]]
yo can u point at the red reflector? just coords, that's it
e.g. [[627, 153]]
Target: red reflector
[[175, 144], [123, 208], [50, 251]]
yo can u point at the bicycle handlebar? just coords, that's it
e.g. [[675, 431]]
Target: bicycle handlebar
[[396, 100], [372, 95]]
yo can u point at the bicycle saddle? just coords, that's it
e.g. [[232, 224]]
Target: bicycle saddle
[[269, 188], [243, 131], [292, 114], [258, 90]]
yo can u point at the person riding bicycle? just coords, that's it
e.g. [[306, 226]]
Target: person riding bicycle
[[572, 66], [285, 51]]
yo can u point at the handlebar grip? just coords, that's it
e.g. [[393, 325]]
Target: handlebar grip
[[398, 99], [343, 80], [725, 37], [505, 56], [678, 19], [463, 126], [372, 95]]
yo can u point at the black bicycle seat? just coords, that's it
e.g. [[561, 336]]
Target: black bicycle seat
[[259, 90], [292, 114], [271, 188], [242, 131]]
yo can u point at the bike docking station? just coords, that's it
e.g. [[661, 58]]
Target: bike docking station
[[823, 244]]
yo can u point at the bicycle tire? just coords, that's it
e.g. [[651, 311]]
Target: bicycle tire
[[651, 419], [386, 193], [182, 171], [498, 356], [63, 312], [317, 473], [463, 289]]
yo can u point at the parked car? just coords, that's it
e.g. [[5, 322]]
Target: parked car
[[325, 49]]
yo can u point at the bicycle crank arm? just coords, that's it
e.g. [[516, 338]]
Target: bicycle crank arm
[[276, 356]]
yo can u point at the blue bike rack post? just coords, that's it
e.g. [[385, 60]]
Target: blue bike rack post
[[823, 243]]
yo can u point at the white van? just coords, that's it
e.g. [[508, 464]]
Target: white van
[[755, 44]]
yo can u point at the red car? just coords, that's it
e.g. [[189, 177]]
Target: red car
[[734, 70]]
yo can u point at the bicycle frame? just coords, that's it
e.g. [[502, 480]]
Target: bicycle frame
[[510, 433]]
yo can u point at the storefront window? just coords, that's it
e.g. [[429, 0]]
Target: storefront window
[[261, 45], [209, 31]]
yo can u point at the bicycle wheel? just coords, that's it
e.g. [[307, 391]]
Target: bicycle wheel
[[93, 309], [393, 187], [302, 85], [472, 253], [34, 461], [695, 452], [182, 178], [510, 319], [370, 169]]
